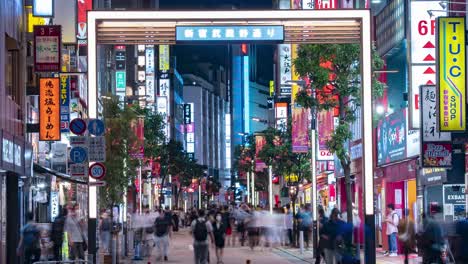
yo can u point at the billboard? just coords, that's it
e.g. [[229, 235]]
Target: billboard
[[437, 154], [260, 142], [451, 73], [43, 8], [230, 33], [300, 131], [47, 48], [49, 109], [391, 138], [422, 42]]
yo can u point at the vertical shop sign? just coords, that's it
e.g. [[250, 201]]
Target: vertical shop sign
[[163, 57], [82, 8], [49, 109], [325, 129], [451, 69], [300, 131], [281, 115], [64, 103], [285, 63], [149, 58], [47, 48], [422, 70], [429, 129]]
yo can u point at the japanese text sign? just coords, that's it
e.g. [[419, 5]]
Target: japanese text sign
[[230, 33], [164, 57], [451, 73], [64, 103], [49, 109], [47, 48], [83, 6], [430, 132]]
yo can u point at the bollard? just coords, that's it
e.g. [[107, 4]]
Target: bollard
[[301, 241], [248, 261]]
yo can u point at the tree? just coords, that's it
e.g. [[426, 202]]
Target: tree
[[334, 74], [119, 139]]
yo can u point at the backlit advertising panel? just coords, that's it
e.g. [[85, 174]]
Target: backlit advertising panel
[[82, 7], [437, 154], [422, 53], [43, 8], [391, 138], [451, 68], [47, 48], [230, 33], [49, 109], [64, 103]]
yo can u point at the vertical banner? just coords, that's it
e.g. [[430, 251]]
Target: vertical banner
[[138, 127], [325, 127], [149, 57], [49, 109], [64, 103], [164, 57], [451, 73], [260, 142], [300, 131], [284, 68], [281, 115], [47, 41], [82, 8]]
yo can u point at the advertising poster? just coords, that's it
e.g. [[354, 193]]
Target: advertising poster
[[300, 131], [47, 48], [49, 109], [64, 103], [260, 141], [454, 202], [82, 7], [436, 154], [391, 138], [429, 129], [451, 69], [325, 127]]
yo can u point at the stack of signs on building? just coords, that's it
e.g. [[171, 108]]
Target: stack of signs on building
[[436, 145]]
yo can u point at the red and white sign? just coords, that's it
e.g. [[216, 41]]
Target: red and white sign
[[97, 171], [326, 4], [423, 70], [82, 8]]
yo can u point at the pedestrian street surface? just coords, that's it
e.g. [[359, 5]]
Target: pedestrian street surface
[[181, 251]]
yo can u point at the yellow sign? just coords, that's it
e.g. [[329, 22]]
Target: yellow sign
[[33, 21], [163, 57], [451, 73], [272, 88], [49, 109], [291, 178], [294, 75]]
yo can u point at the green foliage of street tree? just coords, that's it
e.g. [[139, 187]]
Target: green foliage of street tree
[[336, 85], [119, 139]]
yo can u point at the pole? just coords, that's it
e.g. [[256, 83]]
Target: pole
[[313, 142], [253, 189], [270, 188], [248, 186], [199, 196], [140, 193]]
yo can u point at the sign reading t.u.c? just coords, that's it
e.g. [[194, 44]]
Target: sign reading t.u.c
[[451, 73], [230, 33]]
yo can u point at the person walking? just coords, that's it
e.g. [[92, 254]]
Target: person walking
[[331, 231], [162, 230], [76, 237], [406, 234], [392, 220], [219, 233], [201, 229], [288, 224], [105, 226], [322, 220], [57, 233], [28, 246]]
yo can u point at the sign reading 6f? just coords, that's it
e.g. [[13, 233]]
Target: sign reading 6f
[[426, 26], [451, 73]]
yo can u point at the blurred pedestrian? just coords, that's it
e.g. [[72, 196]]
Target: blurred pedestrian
[[162, 230], [406, 235], [28, 246], [431, 241], [219, 232], [105, 228], [322, 220], [76, 236], [57, 233], [201, 229], [226, 219], [330, 236], [288, 223], [392, 220]]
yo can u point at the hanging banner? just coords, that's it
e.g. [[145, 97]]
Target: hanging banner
[[82, 8], [49, 109], [436, 154], [47, 48], [260, 142], [429, 129], [64, 103], [138, 151], [325, 127], [451, 69], [300, 131]]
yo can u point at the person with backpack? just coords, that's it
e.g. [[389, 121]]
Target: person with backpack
[[392, 220], [28, 246], [201, 229], [162, 230], [57, 233]]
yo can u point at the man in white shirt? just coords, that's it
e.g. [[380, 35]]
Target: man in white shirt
[[76, 236], [392, 220]]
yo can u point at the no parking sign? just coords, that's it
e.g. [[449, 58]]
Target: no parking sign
[[97, 171]]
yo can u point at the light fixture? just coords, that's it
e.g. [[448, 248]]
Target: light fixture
[[380, 109], [443, 5]]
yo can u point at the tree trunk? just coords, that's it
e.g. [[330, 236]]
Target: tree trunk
[[161, 194], [349, 197]]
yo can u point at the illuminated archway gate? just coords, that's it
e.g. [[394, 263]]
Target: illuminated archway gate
[[300, 26]]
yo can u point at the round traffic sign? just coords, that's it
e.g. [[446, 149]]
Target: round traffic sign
[[97, 171], [96, 127], [78, 154], [78, 126]]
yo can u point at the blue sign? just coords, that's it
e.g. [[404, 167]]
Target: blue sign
[[78, 126], [64, 103], [78, 155], [96, 127], [230, 33]]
